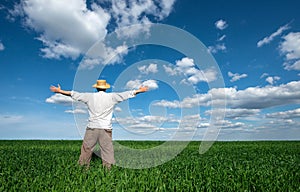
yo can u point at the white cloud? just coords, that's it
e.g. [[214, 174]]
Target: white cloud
[[185, 63], [143, 126], [250, 98], [272, 80], [70, 29], [221, 38], [236, 76], [153, 119], [65, 29], [264, 75], [187, 67], [292, 65], [170, 104], [149, 123], [207, 75], [56, 50], [135, 84], [234, 113], [265, 97], [270, 38], [284, 119], [106, 55], [225, 124], [59, 99], [290, 47], [152, 84], [166, 8], [151, 68], [129, 13], [291, 114], [169, 70], [135, 11], [221, 24], [1, 46], [118, 109], [220, 45], [216, 48], [76, 111]]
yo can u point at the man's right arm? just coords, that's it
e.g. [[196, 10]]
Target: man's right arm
[[119, 97], [59, 90]]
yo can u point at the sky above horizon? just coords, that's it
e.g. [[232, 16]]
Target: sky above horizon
[[247, 89]]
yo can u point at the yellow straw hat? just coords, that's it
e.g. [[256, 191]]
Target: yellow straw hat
[[101, 84]]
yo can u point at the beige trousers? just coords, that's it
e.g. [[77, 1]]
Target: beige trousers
[[91, 138]]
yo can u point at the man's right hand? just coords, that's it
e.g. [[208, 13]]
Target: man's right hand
[[55, 89]]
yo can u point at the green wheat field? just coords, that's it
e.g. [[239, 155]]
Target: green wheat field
[[39, 165]]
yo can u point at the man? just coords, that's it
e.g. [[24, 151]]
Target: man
[[99, 129]]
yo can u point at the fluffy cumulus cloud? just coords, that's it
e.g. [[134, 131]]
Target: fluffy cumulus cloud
[[272, 80], [187, 67], [59, 99], [221, 24], [103, 55], [290, 48], [151, 68], [216, 48], [65, 29], [236, 76], [70, 29], [127, 13], [220, 45], [79, 108], [135, 84], [270, 38], [250, 98]]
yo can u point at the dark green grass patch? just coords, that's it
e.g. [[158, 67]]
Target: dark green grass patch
[[227, 166]]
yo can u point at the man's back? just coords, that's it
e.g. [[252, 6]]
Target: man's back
[[100, 106]]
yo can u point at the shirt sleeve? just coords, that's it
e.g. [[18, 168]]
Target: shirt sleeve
[[119, 97], [83, 97]]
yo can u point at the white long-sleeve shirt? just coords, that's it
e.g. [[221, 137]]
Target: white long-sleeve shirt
[[100, 106]]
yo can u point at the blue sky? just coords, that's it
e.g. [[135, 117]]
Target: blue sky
[[255, 46]]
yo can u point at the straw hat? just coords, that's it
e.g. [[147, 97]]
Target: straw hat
[[101, 84]]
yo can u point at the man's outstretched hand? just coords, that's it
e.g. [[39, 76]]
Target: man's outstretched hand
[[55, 89], [142, 89], [59, 90]]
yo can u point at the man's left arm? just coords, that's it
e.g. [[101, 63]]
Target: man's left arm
[[142, 89], [119, 97]]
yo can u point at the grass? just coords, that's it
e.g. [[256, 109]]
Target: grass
[[227, 166]]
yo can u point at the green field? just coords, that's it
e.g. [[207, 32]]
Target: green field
[[227, 166]]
